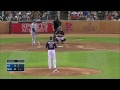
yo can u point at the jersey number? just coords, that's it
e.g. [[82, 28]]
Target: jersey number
[[51, 45]]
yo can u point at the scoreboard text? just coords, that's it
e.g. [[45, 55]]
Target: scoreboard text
[[15, 65]]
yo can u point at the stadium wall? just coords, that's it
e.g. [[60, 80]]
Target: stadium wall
[[91, 27], [77, 27], [4, 27]]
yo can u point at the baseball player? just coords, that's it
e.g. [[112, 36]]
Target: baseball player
[[56, 24], [34, 32], [51, 45], [60, 35]]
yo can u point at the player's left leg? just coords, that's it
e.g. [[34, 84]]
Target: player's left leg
[[58, 39], [49, 59], [54, 59], [63, 39], [35, 39], [32, 40]]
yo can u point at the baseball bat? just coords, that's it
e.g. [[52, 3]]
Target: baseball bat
[[38, 43]]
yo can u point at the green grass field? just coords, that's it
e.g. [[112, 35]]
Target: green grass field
[[108, 62], [70, 39]]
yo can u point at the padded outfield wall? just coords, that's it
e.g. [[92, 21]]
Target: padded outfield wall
[[69, 26], [91, 27]]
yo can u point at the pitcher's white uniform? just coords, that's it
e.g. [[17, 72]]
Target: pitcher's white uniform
[[51, 45], [33, 32]]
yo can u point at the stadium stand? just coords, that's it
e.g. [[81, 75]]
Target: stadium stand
[[64, 15]]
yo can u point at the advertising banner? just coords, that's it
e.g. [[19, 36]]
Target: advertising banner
[[24, 27]]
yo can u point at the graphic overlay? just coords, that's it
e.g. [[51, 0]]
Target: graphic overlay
[[15, 65]]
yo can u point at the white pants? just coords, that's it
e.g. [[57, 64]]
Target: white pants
[[60, 38], [51, 59], [33, 38]]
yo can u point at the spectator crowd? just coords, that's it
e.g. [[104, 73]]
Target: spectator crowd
[[44, 15], [21, 15], [94, 15]]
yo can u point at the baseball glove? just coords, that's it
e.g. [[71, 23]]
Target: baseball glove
[[33, 29]]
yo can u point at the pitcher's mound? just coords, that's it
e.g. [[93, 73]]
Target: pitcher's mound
[[63, 71]]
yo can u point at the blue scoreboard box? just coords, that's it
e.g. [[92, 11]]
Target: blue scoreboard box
[[15, 65]]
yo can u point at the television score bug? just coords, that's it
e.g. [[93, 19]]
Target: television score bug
[[15, 65]]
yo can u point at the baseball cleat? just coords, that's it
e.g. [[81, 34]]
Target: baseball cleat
[[33, 44], [55, 70]]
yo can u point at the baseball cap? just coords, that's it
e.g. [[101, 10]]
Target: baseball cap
[[51, 37]]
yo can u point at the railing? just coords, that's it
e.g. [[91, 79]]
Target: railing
[[32, 21]]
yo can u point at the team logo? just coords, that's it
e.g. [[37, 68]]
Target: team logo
[[89, 27]]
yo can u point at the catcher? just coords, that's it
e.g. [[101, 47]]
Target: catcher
[[60, 35]]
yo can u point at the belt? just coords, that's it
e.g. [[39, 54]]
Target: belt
[[51, 49]]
